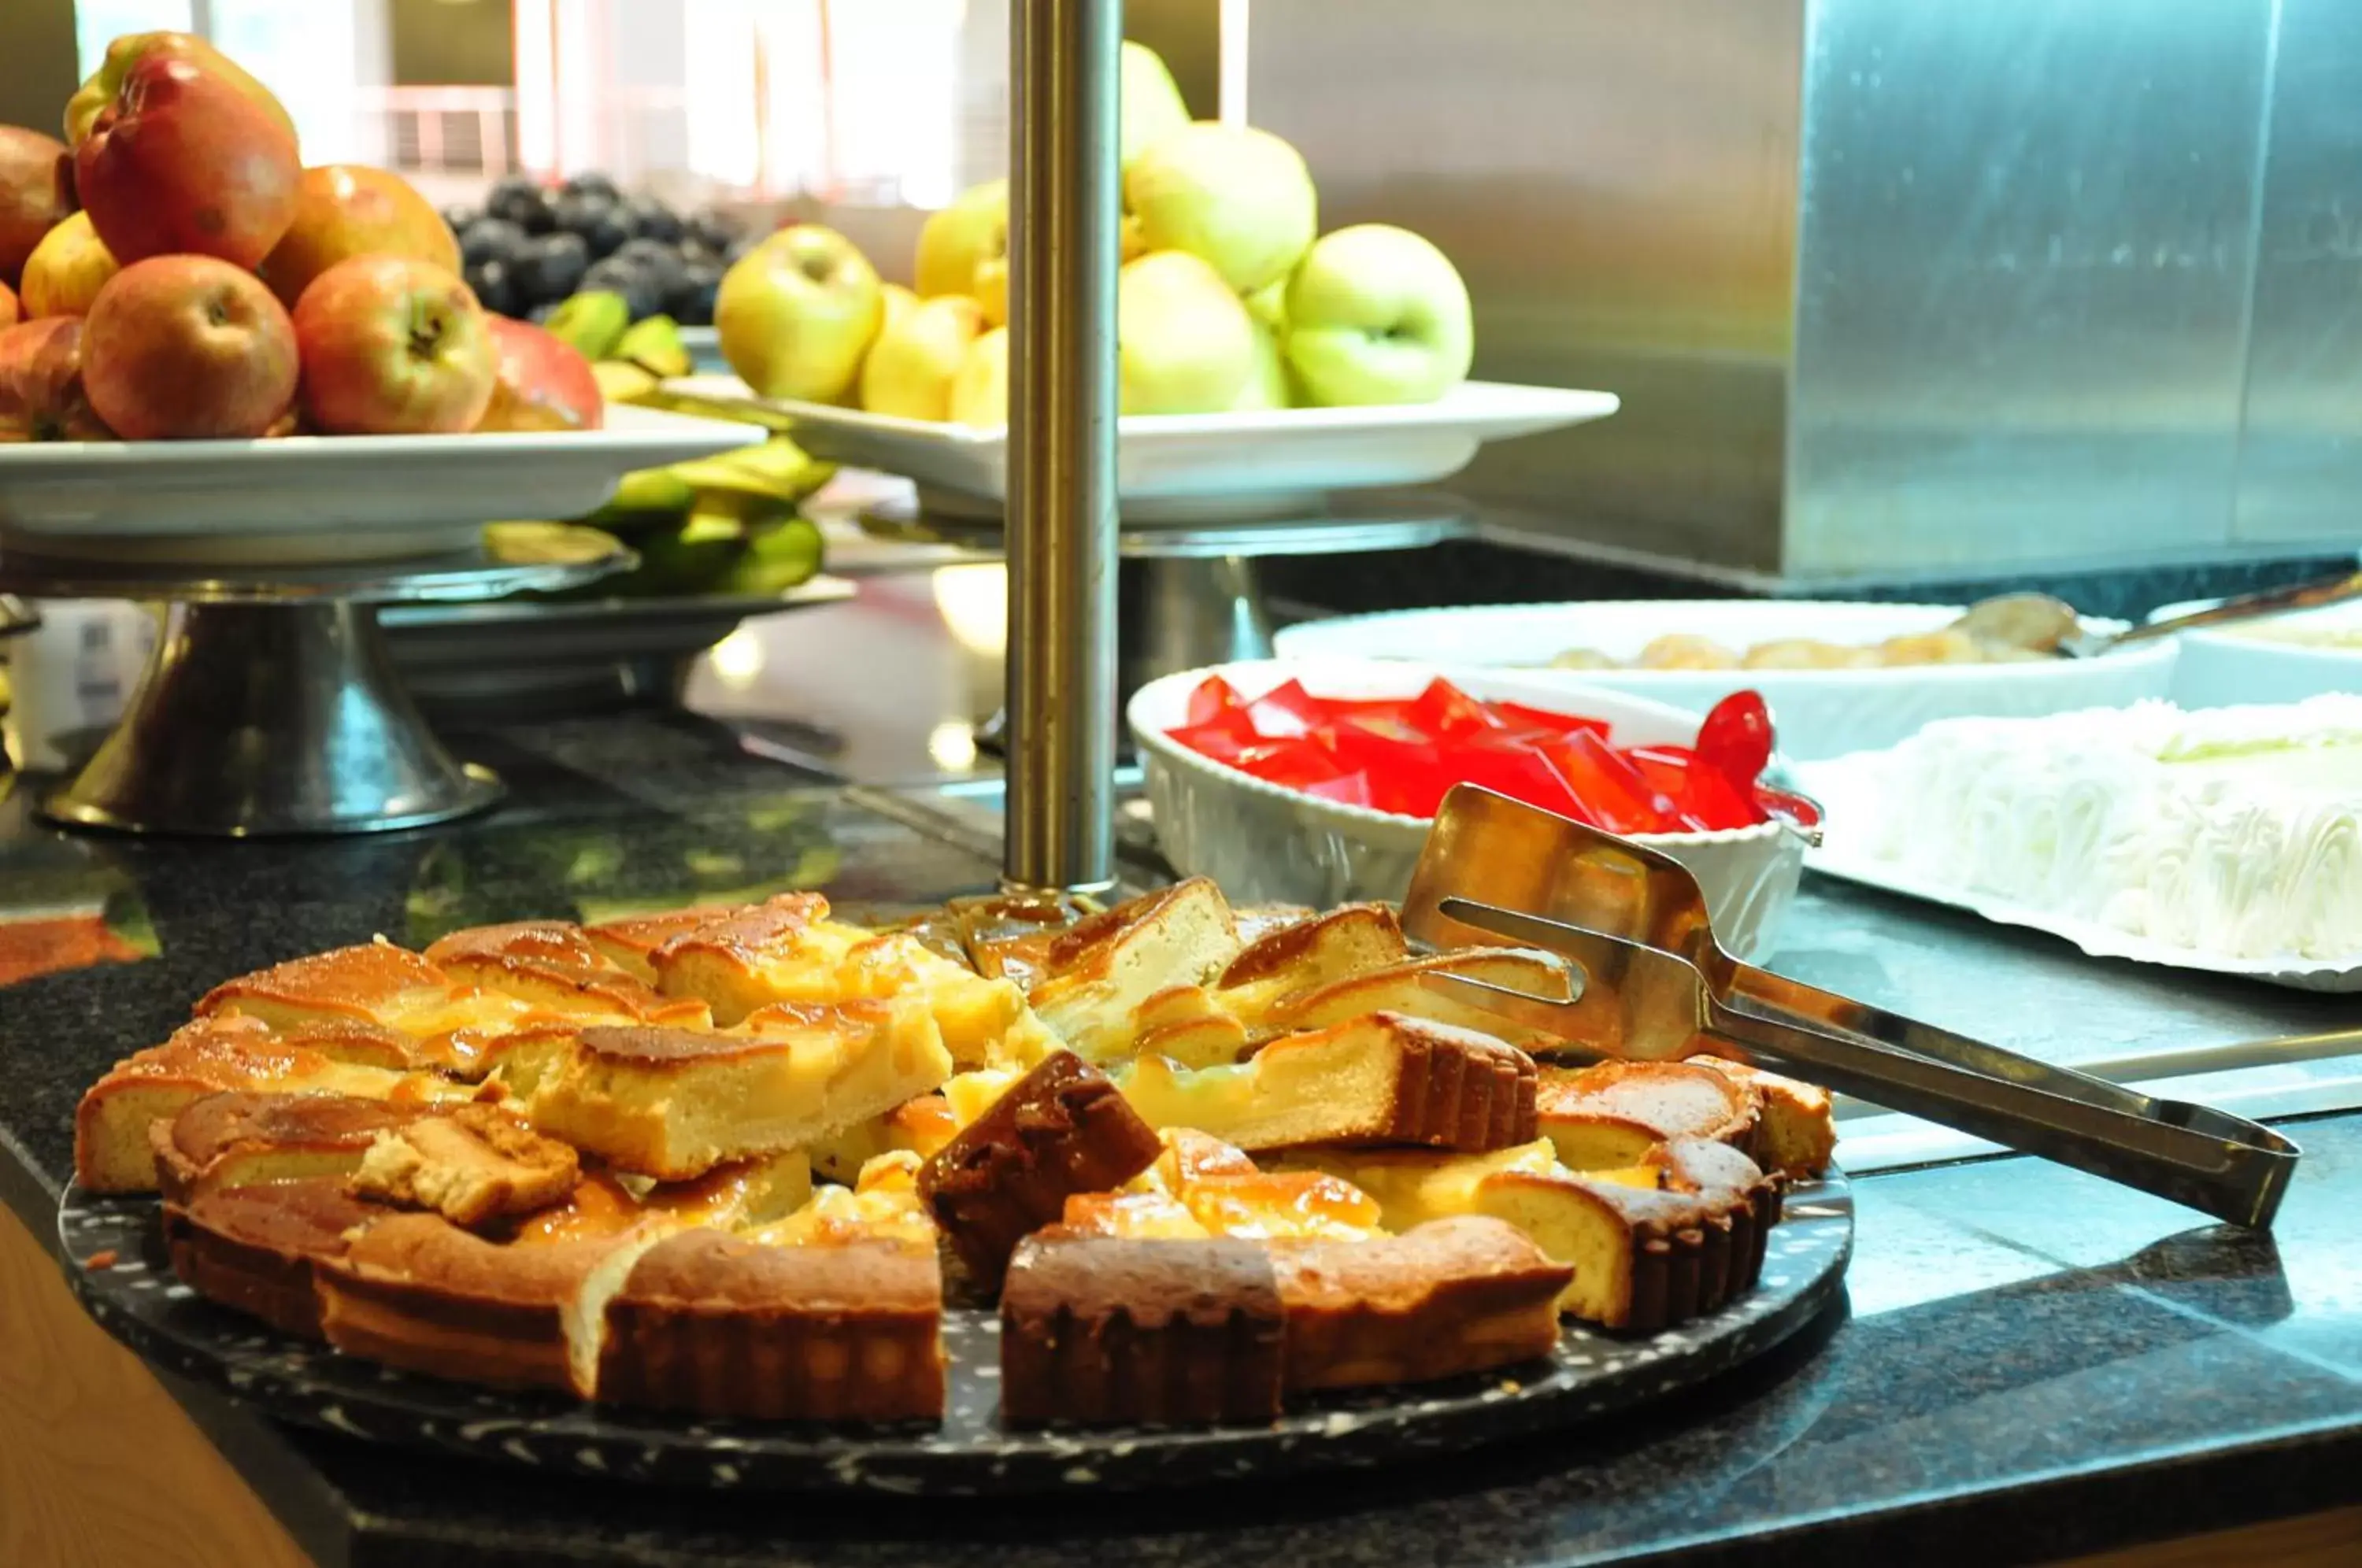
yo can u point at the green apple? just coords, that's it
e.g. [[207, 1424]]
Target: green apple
[[1150, 103], [1377, 314], [911, 368], [796, 313], [1238, 198], [980, 391], [954, 242], [1268, 305], [1185, 343]]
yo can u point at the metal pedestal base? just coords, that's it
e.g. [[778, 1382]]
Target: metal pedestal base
[[271, 706], [257, 719]]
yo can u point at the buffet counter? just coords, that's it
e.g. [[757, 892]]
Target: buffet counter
[[2032, 1365]]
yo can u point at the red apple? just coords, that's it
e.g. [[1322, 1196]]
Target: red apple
[[545, 382], [183, 161], [131, 49], [10, 310], [188, 347], [41, 393], [393, 346], [344, 210], [36, 194]]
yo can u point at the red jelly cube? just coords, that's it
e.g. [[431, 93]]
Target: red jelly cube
[[1217, 739], [1446, 712], [1614, 794], [1213, 698], [1518, 716], [1293, 764], [1286, 710]]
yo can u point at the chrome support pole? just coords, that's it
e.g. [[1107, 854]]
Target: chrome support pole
[[1063, 211]]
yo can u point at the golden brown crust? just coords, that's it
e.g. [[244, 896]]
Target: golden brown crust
[[471, 1165], [417, 1292], [724, 1326], [1446, 1297], [744, 934], [1370, 930], [657, 1049], [1699, 1244], [1099, 1330], [244, 1136], [630, 944], [253, 1248], [209, 1055], [1798, 1136], [1060, 1129], [346, 981], [1612, 1113], [1460, 1089]]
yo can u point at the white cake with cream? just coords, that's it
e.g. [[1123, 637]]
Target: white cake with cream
[[2236, 831]]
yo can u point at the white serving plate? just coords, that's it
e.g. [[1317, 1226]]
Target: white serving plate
[[1262, 842], [1838, 789], [314, 500], [1176, 469], [2224, 667], [1816, 712]]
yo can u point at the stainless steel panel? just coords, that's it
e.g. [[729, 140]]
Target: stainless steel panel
[[1617, 183], [2023, 281], [2300, 472]]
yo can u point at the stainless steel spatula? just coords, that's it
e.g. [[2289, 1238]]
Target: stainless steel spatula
[[1655, 984]]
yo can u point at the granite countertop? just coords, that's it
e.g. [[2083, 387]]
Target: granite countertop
[[2031, 1363]]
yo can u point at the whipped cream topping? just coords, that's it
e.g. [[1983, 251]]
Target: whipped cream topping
[[2232, 831]]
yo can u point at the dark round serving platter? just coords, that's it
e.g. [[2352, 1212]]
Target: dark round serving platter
[[136, 1298]]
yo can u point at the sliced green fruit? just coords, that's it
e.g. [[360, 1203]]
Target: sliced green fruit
[[593, 322], [620, 382], [548, 544], [778, 468], [646, 495], [691, 558], [778, 556], [654, 345]]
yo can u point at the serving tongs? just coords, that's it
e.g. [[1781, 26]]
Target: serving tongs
[[1653, 983]]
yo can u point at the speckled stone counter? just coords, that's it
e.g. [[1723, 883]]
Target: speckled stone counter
[[2032, 1364]]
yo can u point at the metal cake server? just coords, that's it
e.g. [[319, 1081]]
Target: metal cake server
[[1656, 984]]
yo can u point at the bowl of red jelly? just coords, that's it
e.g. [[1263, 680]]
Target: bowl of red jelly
[[1315, 782]]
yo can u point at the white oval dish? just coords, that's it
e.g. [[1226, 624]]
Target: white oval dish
[[1819, 712], [1262, 842], [2230, 666]]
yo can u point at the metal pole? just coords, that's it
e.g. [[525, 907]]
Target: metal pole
[[1063, 211]]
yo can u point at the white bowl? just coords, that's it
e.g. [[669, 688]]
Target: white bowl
[[1177, 469], [1817, 712], [2243, 664], [1262, 842]]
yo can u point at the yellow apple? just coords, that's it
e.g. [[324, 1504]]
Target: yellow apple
[[899, 302], [1267, 383], [1377, 314], [795, 314], [1151, 104], [1268, 305], [911, 368], [1231, 195], [954, 242], [1184, 342], [66, 270], [980, 391], [992, 289]]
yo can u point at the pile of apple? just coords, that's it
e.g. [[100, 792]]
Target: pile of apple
[[1229, 299], [211, 287]]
